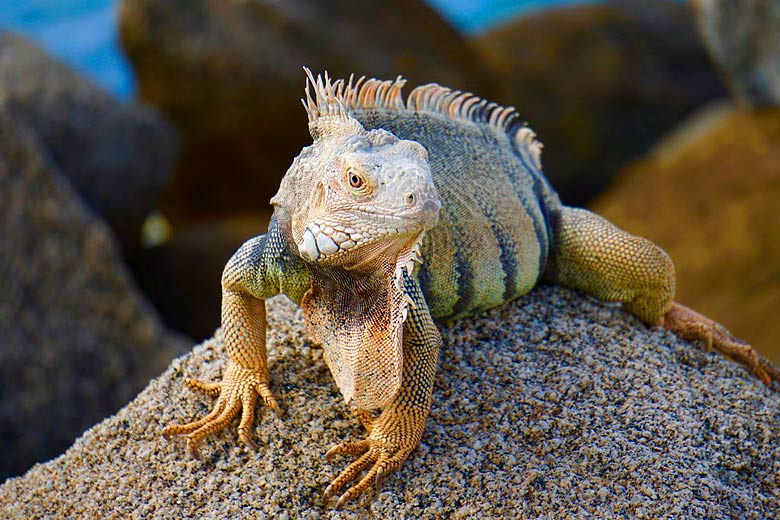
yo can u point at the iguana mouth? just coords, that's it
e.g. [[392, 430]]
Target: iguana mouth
[[319, 242], [322, 239]]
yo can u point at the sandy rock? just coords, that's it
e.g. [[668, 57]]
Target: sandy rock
[[554, 406], [228, 73], [78, 340], [743, 38], [708, 195], [117, 155], [600, 83]]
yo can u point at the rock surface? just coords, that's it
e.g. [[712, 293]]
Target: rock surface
[[554, 406], [743, 38], [228, 73], [78, 340], [709, 196], [117, 155], [600, 83]]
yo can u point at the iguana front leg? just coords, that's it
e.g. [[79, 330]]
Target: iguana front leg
[[249, 277], [398, 430]]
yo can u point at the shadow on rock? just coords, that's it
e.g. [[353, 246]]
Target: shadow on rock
[[182, 275], [78, 339], [118, 156]]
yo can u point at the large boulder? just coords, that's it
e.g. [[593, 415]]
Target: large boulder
[[117, 155], [229, 75], [554, 406], [182, 275], [708, 194], [743, 38], [600, 83], [78, 340]]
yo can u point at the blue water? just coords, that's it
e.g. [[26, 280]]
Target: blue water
[[476, 15], [83, 33]]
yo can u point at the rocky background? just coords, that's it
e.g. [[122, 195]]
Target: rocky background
[[116, 218], [78, 338], [553, 406]]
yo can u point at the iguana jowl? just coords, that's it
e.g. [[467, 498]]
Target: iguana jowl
[[403, 212]]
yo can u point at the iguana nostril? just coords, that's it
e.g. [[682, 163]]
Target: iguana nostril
[[409, 199]]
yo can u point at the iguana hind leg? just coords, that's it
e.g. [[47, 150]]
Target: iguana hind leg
[[690, 325], [593, 255]]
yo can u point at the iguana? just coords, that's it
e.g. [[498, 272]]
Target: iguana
[[406, 211]]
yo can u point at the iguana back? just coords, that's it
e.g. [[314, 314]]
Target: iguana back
[[492, 239]]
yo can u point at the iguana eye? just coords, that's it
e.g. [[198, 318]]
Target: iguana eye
[[358, 183], [355, 180]]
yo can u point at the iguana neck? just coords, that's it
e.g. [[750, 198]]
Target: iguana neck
[[357, 315]]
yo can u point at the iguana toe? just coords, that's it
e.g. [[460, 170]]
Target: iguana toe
[[349, 448], [379, 460], [212, 389], [238, 392], [693, 326]]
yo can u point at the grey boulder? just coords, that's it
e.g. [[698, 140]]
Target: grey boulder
[[554, 406]]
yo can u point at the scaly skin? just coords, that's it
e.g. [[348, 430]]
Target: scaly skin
[[402, 212]]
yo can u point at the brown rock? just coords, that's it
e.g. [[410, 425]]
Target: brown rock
[[600, 83], [78, 340], [709, 196], [229, 75], [554, 406], [117, 155], [182, 276], [743, 38]]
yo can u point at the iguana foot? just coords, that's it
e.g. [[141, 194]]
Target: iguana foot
[[381, 458], [365, 418], [691, 325], [238, 391]]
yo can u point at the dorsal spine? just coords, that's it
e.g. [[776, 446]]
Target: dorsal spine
[[339, 98]]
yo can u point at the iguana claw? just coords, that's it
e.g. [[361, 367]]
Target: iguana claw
[[238, 392], [691, 325], [381, 459]]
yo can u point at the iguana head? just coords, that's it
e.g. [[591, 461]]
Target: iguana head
[[362, 196]]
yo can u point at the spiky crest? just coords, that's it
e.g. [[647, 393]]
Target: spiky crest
[[329, 102]]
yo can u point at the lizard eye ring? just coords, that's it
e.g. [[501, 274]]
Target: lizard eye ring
[[358, 183]]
